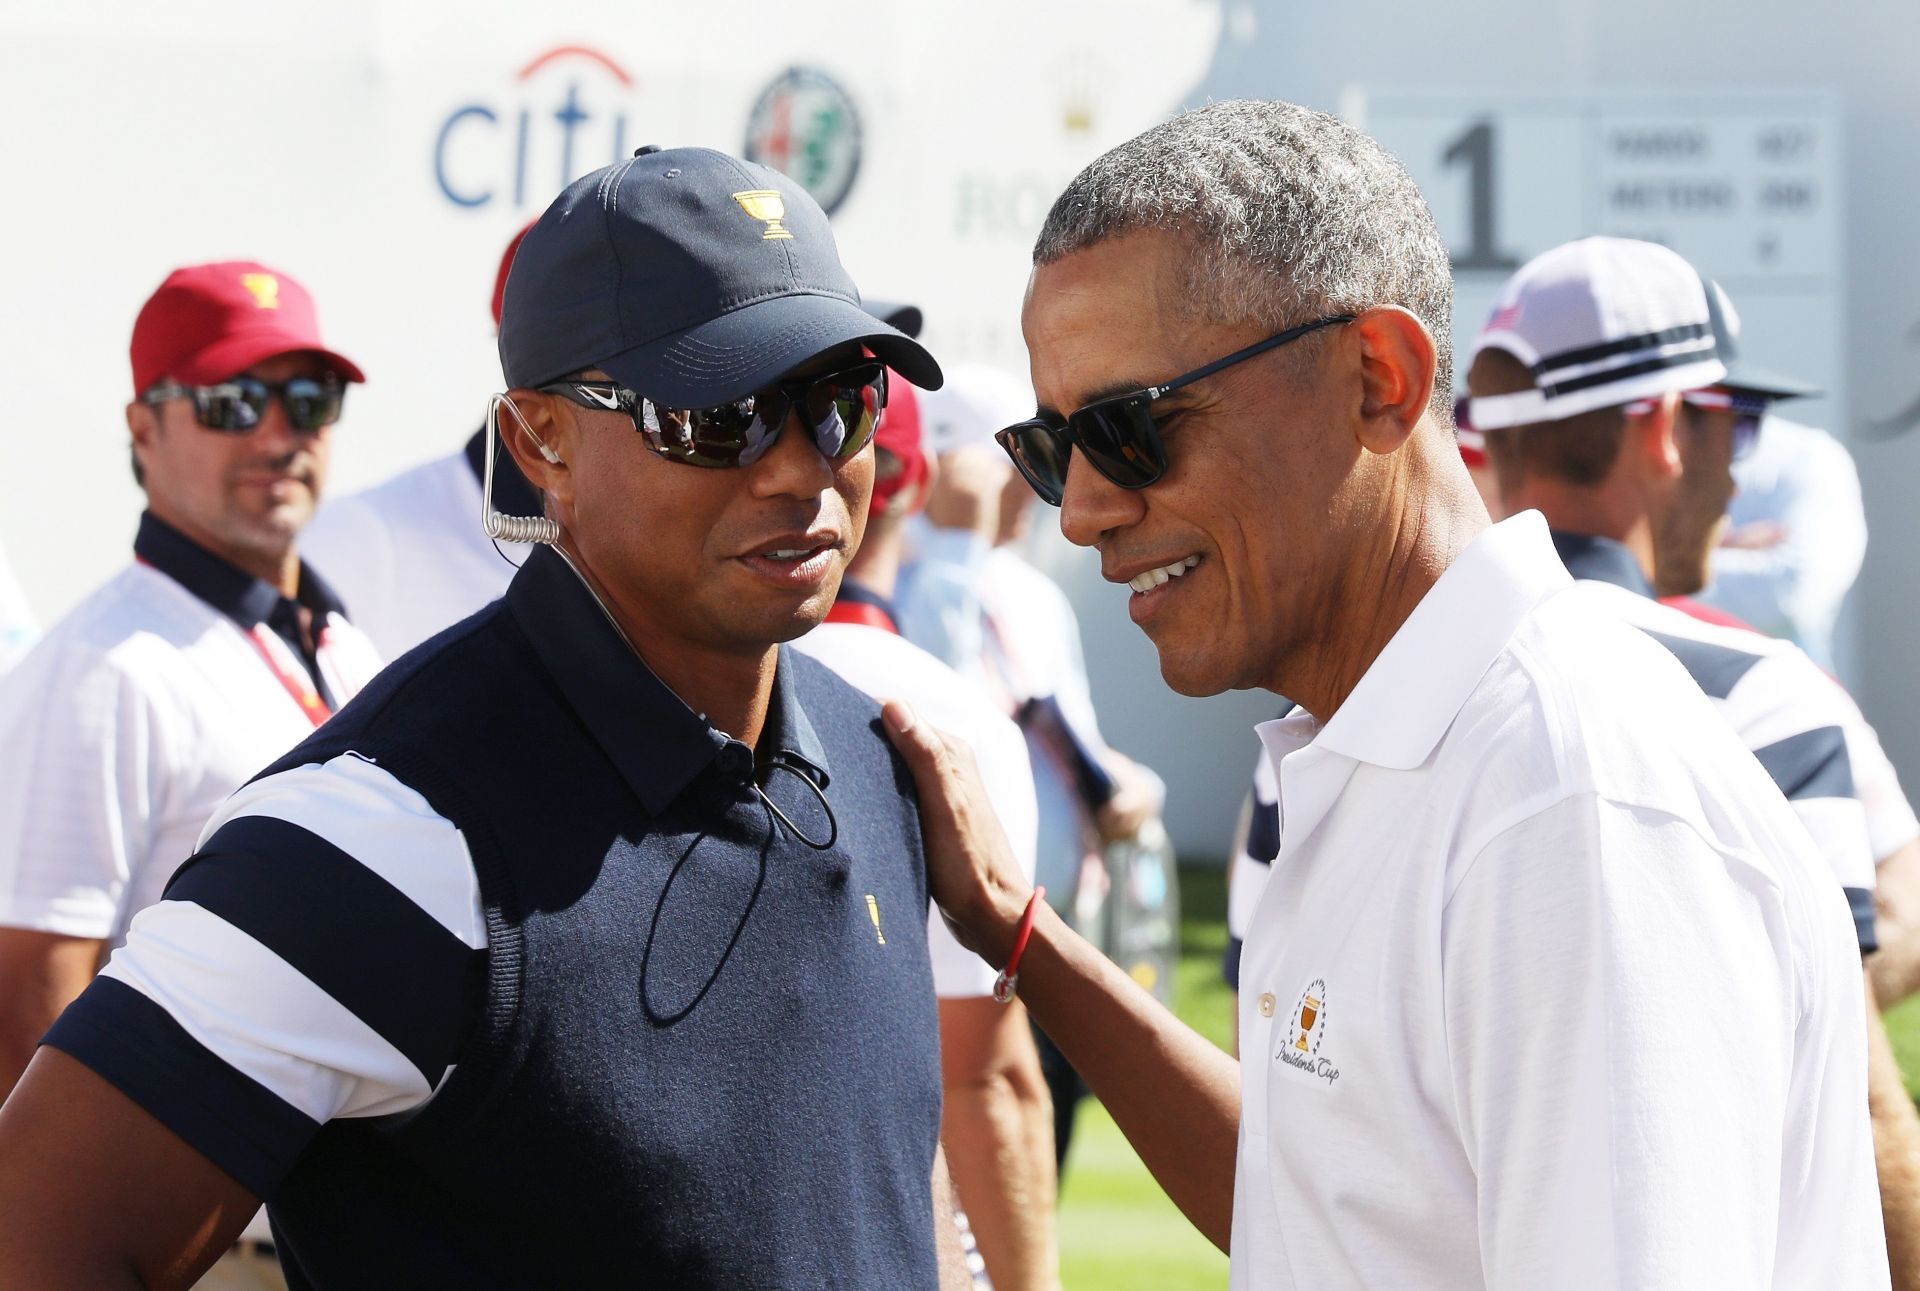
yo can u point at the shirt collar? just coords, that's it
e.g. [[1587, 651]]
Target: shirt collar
[[247, 600], [657, 743], [1601, 560], [1411, 694]]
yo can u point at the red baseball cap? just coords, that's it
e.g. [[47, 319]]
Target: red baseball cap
[[506, 266], [902, 491], [211, 321]]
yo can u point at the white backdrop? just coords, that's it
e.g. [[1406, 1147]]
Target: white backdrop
[[317, 137]]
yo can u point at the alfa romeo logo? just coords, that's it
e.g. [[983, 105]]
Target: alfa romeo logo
[[806, 127]]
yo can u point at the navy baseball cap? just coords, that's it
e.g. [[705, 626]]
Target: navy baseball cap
[[689, 276], [1742, 376]]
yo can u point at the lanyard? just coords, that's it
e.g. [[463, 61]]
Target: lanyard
[[292, 676], [290, 673], [861, 612]]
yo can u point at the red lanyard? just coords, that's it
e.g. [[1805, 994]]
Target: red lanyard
[[860, 612], [280, 661], [293, 678]]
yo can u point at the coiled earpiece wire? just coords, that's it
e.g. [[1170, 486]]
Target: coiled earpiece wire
[[506, 528]]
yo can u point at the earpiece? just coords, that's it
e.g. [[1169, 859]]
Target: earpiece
[[506, 528]]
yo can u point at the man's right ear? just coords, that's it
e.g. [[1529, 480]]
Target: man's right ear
[[526, 425], [1653, 434], [143, 424]]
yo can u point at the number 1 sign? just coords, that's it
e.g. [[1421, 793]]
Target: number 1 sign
[[1745, 186]]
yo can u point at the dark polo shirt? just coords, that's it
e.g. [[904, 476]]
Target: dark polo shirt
[[700, 1046]]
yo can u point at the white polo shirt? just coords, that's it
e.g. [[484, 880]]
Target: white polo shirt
[[1548, 988], [17, 626], [131, 721], [408, 556], [887, 666]]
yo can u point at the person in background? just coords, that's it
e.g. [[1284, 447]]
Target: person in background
[[18, 630], [1633, 473], [1473, 452], [214, 652], [997, 1120], [410, 555], [1797, 535], [972, 600]]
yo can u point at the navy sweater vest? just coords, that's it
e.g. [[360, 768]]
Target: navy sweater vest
[[704, 1055]]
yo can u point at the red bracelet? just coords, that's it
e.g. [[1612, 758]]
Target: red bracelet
[[1009, 979]]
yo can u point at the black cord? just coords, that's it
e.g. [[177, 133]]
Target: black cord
[[833, 822]]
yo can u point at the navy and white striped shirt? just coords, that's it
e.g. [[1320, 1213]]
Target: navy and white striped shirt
[[483, 983]]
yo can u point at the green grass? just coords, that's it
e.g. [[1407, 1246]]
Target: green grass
[[1903, 1028], [1118, 1231]]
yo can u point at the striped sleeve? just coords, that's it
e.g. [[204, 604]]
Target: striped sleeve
[[1793, 718], [322, 955], [1891, 824]]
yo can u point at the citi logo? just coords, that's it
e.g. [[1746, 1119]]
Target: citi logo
[[567, 115]]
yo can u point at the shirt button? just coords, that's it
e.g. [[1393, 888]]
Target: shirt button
[[1266, 1005], [736, 760]]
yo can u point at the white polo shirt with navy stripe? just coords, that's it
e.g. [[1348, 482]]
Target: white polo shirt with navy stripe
[[1548, 987], [1789, 713], [131, 721]]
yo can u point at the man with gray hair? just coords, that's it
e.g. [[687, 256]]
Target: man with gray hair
[[1548, 987]]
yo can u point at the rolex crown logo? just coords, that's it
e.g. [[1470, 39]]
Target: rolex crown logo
[[768, 206]]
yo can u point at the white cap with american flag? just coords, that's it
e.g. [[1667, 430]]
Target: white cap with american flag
[[1601, 322]]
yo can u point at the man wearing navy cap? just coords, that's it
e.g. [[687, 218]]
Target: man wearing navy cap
[[587, 948]]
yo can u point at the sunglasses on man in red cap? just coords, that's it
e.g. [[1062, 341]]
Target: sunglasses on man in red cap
[[207, 324]]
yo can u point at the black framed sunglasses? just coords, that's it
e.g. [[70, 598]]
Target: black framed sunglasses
[[1117, 434], [237, 405], [841, 408], [1748, 411]]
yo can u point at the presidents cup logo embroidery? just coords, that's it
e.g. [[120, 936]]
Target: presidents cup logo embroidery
[[767, 206], [265, 288], [1306, 1032]]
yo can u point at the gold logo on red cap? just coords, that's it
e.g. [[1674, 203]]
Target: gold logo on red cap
[[265, 288], [768, 206]]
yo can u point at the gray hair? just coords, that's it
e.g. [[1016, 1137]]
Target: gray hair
[[1289, 214]]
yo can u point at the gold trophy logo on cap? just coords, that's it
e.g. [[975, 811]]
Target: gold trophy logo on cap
[[767, 205], [265, 288]]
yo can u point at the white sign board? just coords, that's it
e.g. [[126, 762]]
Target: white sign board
[[1746, 187]]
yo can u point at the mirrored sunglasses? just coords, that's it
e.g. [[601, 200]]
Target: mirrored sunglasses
[[237, 405], [841, 410]]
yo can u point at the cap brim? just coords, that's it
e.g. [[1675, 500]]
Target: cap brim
[[742, 351], [232, 355], [1748, 379]]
